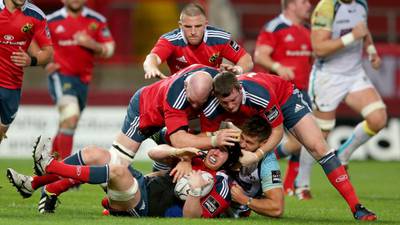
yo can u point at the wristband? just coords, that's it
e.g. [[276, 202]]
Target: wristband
[[262, 152], [371, 50], [214, 141], [249, 202], [210, 134], [347, 39], [33, 61], [275, 66], [195, 192]]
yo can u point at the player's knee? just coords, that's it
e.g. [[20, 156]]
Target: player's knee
[[69, 110], [326, 125], [123, 195], [120, 155], [118, 171], [93, 155], [375, 115]]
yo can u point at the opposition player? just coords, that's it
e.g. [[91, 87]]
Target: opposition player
[[78, 30], [339, 36], [259, 186], [277, 101], [195, 42], [130, 194], [284, 48], [20, 22]]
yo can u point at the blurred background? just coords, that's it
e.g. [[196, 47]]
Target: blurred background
[[137, 24]]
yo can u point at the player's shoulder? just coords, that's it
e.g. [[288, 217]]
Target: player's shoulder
[[176, 94], [32, 10], [175, 37], [216, 36], [276, 24], [57, 15], [90, 13], [326, 6]]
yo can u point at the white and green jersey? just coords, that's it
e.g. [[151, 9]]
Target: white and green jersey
[[339, 18]]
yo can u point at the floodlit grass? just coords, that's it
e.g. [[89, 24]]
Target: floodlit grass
[[377, 184]]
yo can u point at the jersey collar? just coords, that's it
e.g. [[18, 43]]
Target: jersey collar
[[285, 20]]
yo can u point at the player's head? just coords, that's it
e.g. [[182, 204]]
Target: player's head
[[301, 9], [193, 23], [255, 132], [198, 87], [18, 3], [74, 5], [223, 158], [228, 91]]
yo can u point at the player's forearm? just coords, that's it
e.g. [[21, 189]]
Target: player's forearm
[[263, 59], [192, 207], [181, 139], [246, 63], [107, 50], [272, 142], [323, 48], [161, 152], [152, 61], [266, 207], [44, 56]]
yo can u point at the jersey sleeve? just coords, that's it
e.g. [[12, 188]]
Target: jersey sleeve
[[163, 49], [104, 34], [233, 51], [218, 200], [322, 17], [175, 119], [266, 38], [42, 34], [270, 174], [273, 114]]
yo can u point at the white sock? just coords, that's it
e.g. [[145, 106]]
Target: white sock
[[357, 138], [305, 167]]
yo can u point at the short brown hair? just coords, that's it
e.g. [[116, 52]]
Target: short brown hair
[[257, 126], [192, 9], [285, 3], [224, 83]]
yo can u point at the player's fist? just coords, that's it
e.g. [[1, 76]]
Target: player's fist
[[360, 30], [248, 158], [154, 73]]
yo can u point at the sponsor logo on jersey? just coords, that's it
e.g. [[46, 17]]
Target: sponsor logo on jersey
[[276, 176], [235, 46], [214, 57], [289, 38], [8, 37], [181, 59], [211, 204], [93, 26], [27, 27], [272, 114], [59, 29]]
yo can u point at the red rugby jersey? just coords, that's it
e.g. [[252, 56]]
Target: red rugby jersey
[[216, 45], [76, 60], [292, 47], [17, 31]]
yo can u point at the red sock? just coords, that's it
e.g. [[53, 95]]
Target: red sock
[[291, 174], [62, 144], [80, 173], [39, 181], [61, 186], [340, 180]]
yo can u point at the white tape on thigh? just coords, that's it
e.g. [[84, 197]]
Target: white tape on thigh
[[68, 106], [326, 125], [120, 153], [124, 195], [372, 107]]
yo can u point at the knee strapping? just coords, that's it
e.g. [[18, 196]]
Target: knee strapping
[[372, 107], [326, 125], [119, 152], [123, 195], [368, 130], [69, 107]]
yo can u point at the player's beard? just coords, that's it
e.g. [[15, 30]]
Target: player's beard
[[75, 9]]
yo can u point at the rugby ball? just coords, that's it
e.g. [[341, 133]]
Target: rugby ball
[[182, 187]]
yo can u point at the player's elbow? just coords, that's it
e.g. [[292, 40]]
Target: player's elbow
[[274, 212]]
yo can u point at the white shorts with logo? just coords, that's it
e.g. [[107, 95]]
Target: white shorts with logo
[[327, 90]]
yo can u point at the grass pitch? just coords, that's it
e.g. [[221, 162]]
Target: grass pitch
[[377, 185]]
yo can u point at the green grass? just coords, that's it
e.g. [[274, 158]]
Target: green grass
[[377, 184]]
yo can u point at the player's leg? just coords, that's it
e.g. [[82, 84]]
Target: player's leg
[[293, 146], [9, 103], [369, 104]]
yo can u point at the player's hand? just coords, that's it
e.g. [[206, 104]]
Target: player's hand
[[360, 30], [51, 68], [21, 58], [375, 61], [154, 73], [238, 194], [231, 68], [227, 137], [181, 169], [285, 73], [83, 39], [196, 180], [248, 158]]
